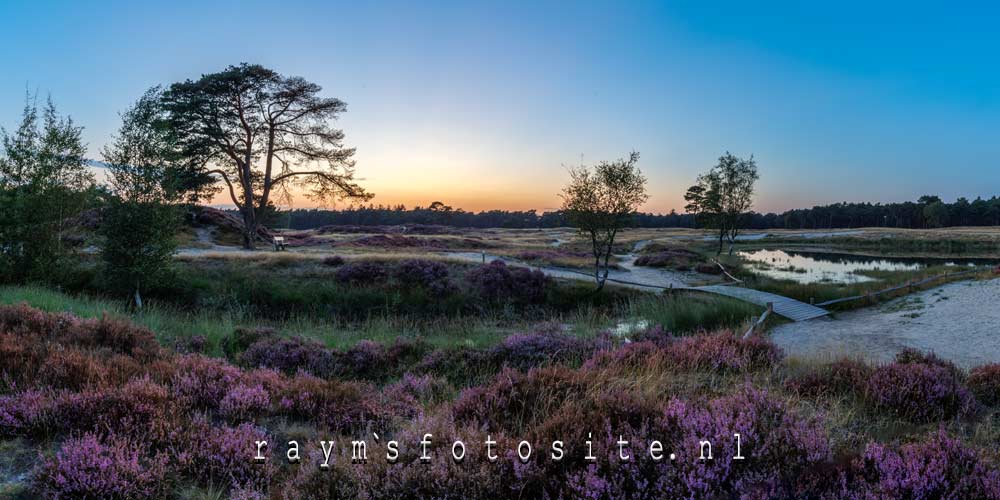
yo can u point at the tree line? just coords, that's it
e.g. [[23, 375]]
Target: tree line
[[910, 215]]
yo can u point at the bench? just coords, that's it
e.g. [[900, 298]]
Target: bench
[[279, 243]]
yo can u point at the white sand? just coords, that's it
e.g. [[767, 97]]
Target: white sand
[[958, 321]]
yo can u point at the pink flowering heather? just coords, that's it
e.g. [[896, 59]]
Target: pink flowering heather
[[496, 282], [222, 456], [524, 351], [289, 355], [201, 381], [516, 400], [631, 355], [778, 445], [839, 377], [919, 392], [94, 467], [428, 275], [425, 388], [721, 352], [724, 352], [245, 402], [941, 467], [25, 413]]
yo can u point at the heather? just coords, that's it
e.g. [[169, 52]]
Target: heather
[[984, 381], [917, 387], [119, 417], [497, 282]]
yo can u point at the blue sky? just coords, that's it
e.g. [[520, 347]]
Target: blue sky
[[485, 104]]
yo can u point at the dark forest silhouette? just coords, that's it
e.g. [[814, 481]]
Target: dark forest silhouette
[[927, 212]]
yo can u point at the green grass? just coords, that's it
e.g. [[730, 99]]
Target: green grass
[[172, 324], [681, 312], [684, 312]]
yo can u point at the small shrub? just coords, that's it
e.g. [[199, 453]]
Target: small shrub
[[427, 274], [92, 467], [120, 336], [491, 282], [516, 401], [223, 456], [631, 355], [197, 343], [910, 355], [244, 402], [839, 377], [289, 355], [25, 413], [71, 369], [940, 467], [422, 388], [333, 261], [919, 392], [242, 338], [312, 483], [341, 406], [724, 352], [365, 359], [530, 285], [496, 282], [462, 365], [202, 382], [984, 381], [128, 411], [524, 351], [361, 273]]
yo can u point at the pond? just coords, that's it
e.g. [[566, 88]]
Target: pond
[[821, 267]]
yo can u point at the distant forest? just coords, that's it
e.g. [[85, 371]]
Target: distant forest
[[927, 212]]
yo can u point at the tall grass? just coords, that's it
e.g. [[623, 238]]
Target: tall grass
[[684, 312], [173, 325]]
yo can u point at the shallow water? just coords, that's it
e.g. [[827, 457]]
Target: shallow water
[[814, 267]]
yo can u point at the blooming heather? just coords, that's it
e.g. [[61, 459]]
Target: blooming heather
[[919, 392], [95, 467], [426, 274], [245, 402], [941, 467]]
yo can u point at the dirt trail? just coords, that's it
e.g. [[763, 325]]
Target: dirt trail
[[958, 321], [657, 278]]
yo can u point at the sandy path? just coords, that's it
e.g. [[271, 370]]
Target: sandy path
[[958, 321], [656, 277]]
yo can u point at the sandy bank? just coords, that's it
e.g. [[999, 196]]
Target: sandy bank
[[958, 321]]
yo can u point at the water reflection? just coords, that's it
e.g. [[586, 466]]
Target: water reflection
[[810, 267]]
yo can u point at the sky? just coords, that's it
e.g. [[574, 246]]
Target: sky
[[487, 104]]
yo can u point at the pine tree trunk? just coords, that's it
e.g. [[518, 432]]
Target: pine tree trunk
[[249, 229]]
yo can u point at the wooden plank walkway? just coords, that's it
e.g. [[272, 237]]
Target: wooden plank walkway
[[789, 308]]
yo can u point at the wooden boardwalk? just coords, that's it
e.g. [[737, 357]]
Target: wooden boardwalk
[[784, 306]]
